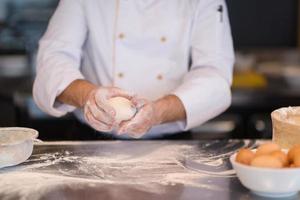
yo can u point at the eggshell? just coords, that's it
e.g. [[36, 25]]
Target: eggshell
[[266, 161], [295, 150], [267, 148], [244, 156], [281, 156], [296, 160]]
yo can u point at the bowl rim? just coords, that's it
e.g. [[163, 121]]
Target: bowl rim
[[276, 115], [261, 169], [34, 134]]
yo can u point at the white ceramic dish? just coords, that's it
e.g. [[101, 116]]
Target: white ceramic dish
[[16, 145], [268, 182]]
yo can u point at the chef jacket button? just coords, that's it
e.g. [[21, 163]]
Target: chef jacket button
[[163, 39], [121, 36], [159, 77], [120, 75]]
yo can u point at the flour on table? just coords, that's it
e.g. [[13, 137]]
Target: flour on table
[[165, 165]]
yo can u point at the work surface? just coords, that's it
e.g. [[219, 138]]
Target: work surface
[[127, 170]]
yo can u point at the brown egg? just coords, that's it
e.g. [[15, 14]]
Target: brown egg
[[292, 165], [281, 156], [267, 148], [266, 161], [296, 162], [244, 156], [295, 150]]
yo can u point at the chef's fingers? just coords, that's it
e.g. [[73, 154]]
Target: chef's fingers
[[125, 125], [136, 131], [140, 119], [132, 128], [128, 128], [96, 124], [133, 131], [100, 115], [102, 103], [99, 111], [122, 127], [139, 102], [117, 92]]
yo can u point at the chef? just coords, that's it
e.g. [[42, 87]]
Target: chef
[[172, 58]]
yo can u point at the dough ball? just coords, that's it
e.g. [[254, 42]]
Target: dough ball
[[125, 110], [245, 156], [295, 150], [266, 161], [281, 156], [267, 148]]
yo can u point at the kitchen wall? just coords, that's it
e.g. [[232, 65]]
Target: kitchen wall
[[264, 24], [3, 9]]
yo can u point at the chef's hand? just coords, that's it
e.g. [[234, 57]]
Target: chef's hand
[[164, 110], [97, 112], [143, 121]]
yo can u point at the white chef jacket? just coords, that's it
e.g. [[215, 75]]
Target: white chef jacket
[[142, 46]]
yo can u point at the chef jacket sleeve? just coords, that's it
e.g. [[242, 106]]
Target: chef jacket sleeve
[[59, 57], [205, 90]]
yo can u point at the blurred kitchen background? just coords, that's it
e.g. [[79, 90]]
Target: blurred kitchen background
[[267, 71]]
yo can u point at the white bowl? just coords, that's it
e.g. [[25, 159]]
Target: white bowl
[[16, 145], [267, 181]]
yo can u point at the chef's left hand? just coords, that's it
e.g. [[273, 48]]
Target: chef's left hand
[[145, 118]]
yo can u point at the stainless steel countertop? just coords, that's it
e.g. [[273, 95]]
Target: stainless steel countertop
[[127, 170]]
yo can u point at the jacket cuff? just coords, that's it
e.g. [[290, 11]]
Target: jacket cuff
[[45, 93], [203, 100]]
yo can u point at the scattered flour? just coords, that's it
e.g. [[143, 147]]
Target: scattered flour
[[166, 165]]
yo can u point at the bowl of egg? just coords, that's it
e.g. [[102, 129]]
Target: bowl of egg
[[269, 170]]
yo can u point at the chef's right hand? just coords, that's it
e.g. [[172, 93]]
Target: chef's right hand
[[97, 112]]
